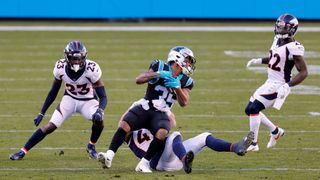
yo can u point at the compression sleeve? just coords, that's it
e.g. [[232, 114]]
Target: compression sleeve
[[51, 96], [102, 97]]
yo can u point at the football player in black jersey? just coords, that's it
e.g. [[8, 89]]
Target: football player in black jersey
[[167, 83]]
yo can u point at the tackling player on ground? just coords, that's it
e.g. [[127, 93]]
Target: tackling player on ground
[[179, 154], [82, 80], [284, 54]]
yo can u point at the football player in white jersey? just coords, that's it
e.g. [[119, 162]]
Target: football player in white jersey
[[84, 93], [178, 154], [284, 54]]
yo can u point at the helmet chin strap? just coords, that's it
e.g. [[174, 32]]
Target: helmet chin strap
[[75, 67]]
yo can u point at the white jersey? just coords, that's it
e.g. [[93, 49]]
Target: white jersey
[[80, 88], [281, 60], [140, 141]]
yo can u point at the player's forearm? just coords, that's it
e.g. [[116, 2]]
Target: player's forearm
[[265, 60], [299, 78], [145, 77], [101, 93], [182, 97], [51, 96]]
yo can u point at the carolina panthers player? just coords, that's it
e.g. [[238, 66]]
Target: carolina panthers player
[[83, 84], [284, 54], [179, 154], [167, 83]]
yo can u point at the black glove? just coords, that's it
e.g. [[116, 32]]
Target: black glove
[[98, 115], [37, 120]]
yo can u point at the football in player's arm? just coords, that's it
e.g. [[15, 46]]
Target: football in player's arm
[[285, 53], [167, 83], [84, 93]]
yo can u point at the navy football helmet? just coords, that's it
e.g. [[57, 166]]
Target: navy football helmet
[[184, 57], [75, 54], [286, 26]]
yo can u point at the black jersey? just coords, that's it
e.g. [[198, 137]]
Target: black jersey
[[156, 89]]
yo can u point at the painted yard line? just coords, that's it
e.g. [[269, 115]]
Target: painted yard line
[[153, 28], [181, 116], [195, 169], [126, 148], [182, 131]]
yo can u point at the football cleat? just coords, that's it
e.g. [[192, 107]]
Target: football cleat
[[18, 155], [274, 137], [187, 162], [106, 158], [91, 149], [254, 147], [143, 166], [241, 147]]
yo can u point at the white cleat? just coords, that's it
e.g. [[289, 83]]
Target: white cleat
[[273, 138], [143, 166], [253, 148], [106, 158]]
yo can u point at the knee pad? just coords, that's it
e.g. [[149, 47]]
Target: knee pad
[[254, 107]]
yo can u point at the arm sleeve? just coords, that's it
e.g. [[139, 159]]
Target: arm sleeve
[[51, 95], [101, 93]]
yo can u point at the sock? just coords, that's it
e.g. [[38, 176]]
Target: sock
[[117, 139], [95, 133], [155, 146], [255, 121], [34, 139], [178, 147], [275, 131], [265, 121], [217, 144]]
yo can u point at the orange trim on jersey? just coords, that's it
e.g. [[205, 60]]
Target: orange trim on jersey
[[231, 147], [254, 114]]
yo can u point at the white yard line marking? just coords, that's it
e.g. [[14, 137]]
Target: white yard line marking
[[195, 169], [153, 28]]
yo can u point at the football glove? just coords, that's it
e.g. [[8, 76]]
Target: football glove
[[254, 61], [165, 74], [37, 120], [283, 91], [98, 115], [172, 83]]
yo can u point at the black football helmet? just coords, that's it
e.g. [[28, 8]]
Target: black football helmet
[[75, 54], [286, 26]]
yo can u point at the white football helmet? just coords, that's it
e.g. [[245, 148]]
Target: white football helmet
[[184, 57], [286, 26]]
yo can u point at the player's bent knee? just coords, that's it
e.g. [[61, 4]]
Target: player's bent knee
[[161, 134], [254, 107], [125, 126], [49, 128]]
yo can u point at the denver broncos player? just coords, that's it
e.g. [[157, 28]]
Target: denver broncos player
[[82, 80], [177, 152], [167, 83], [284, 54]]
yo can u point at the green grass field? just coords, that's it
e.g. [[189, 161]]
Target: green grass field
[[222, 89]]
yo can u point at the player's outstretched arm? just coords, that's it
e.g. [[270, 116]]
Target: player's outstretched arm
[[146, 76], [49, 100], [257, 61]]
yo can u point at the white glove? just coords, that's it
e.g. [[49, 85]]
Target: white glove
[[254, 61], [283, 91]]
